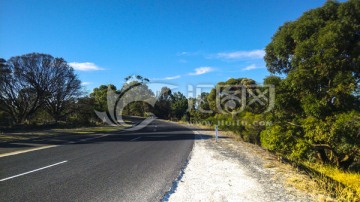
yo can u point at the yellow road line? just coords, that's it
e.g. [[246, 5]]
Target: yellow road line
[[27, 150]]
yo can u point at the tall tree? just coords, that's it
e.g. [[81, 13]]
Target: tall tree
[[63, 89], [229, 98], [320, 55], [4, 70], [202, 106], [178, 105], [162, 106], [100, 94], [136, 96], [35, 80]]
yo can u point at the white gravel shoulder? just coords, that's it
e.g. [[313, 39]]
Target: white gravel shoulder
[[214, 173]]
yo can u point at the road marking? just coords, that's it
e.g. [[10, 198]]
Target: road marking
[[48, 146], [42, 168], [135, 139], [51, 146], [27, 150]]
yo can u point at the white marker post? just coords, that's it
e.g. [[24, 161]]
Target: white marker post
[[216, 132]]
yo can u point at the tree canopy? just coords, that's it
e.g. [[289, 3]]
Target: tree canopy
[[319, 54], [31, 81]]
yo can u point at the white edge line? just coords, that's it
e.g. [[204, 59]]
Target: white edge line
[[135, 139], [8, 178]]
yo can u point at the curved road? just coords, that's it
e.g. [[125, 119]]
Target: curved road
[[127, 166]]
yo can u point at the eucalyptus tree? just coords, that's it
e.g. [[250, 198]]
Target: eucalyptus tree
[[319, 54]]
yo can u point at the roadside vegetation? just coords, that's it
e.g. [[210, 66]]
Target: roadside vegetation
[[27, 133], [313, 121]]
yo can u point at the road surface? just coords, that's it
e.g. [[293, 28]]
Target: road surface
[[128, 166]]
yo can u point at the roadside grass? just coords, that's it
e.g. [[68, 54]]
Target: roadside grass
[[8, 138], [303, 183], [89, 130], [25, 135], [269, 165], [344, 185]]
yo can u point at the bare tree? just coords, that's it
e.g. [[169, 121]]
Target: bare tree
[[37, 80], [63, 89]]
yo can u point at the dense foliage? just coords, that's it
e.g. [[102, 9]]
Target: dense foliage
[[316, 113], [318, 103]]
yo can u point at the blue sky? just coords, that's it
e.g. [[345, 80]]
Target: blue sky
[[176, 42]]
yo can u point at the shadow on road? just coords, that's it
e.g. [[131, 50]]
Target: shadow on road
[[156, 131]]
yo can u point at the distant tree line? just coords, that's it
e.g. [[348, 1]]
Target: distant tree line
[[167, 105], [39, 89]]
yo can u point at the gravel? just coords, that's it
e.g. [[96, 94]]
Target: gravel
[[229, 170]]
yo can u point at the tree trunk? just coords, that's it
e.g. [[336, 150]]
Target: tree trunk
[[323, 157]]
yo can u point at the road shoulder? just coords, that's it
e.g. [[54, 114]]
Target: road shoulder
[[12, 143], [230, 170]]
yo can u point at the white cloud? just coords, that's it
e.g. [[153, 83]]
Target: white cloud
[[251, 67], [85, 83], [253, 54], [201, 70], [167, 78], [172, 77], [85, 66]]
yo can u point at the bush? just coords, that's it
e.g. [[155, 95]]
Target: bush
[[338, 136], [285, 140]]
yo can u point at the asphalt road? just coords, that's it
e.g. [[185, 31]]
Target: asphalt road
[[129, 166]]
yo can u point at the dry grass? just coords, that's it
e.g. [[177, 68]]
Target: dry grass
[[269, 165], [8, 137], [351, 181], [89, 130], [302, 182]]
